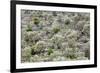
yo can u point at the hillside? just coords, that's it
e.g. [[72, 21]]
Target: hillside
[[54, 36]]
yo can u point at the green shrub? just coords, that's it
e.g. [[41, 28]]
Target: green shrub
[[72, 56], [54, 13], [38, 48], [67, 22], [70, 53], [74, 53], [56, 30], [50, 51], [29, 28], [33, 50], [87, 54], [36, 21]]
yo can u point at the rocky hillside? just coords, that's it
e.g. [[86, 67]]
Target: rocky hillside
[[54, 36]]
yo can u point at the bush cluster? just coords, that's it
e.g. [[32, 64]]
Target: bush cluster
[[54, 36]]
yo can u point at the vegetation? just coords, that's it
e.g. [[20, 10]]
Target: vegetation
[[36, 21], [54, 36], [29, 28], [56, 30], [50, 51]]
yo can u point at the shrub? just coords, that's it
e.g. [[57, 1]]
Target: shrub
[[33, 50], [54, 13], [87, 53], [64, 45], [57, 40], [36, 21], [73, 53], [73, 34], [69, 53], [86, 30], [29, 28], [34, 58], [26, 53], [50, 51], [56, 30], [59, 58], [40, 46], [72, 43], [31, 37], [67, 22], [83, 39]]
